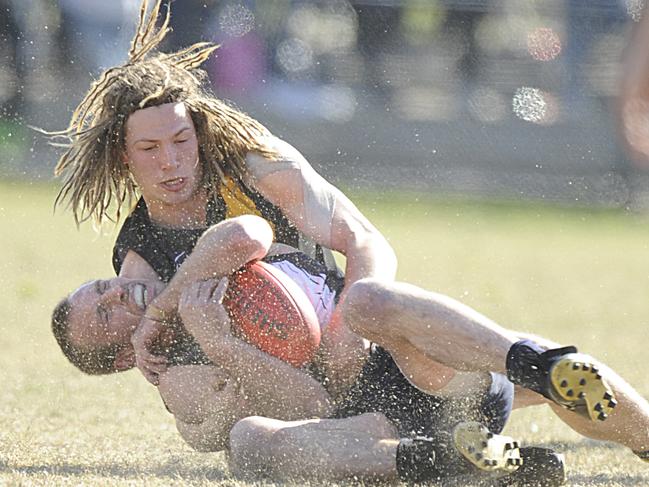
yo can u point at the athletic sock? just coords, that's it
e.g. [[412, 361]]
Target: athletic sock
[[497, 403], [416, 460], [528, 364]]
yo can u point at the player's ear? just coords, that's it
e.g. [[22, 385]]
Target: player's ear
[[124, 360]]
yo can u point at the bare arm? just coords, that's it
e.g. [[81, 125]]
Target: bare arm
[[325, 214], [135, 267], [221, 250], [274, 387]]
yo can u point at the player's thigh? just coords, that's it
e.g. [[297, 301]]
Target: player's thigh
[[285, 449], [420, 370], [384, 311]]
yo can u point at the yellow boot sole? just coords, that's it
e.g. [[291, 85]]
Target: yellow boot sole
[[579, 387], [487, 451]]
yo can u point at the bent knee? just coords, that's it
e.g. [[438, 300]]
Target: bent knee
[[366, 305], [202, 438]]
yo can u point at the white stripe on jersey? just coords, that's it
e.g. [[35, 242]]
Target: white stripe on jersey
[[314, 286]]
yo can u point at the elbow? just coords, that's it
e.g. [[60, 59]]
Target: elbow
[[254, 235], [389, 257], [200, 439], [246, 237], [382, 258]]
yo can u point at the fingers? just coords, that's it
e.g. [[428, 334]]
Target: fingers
[[206, 290], [151, 366]]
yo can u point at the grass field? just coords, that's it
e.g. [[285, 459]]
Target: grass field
[[575, 275]]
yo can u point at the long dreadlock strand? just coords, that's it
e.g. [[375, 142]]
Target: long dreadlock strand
[[146, 37]]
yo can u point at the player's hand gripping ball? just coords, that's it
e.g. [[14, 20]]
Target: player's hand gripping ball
[[269, 310]]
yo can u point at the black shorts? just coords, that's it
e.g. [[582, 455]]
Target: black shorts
[[382, 388]]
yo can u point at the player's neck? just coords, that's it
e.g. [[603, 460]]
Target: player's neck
[[187, 215]]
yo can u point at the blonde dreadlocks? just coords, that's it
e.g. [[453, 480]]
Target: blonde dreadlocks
[[95, 174]]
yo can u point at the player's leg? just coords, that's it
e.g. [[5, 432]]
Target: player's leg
[[403, 318], [628, 426], [367, 448], [363, 446], [391, 313]]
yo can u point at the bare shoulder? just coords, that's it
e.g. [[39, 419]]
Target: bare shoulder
[[289, 156]]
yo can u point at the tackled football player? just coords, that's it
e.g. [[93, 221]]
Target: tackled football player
[[377, 418], [90, 318]]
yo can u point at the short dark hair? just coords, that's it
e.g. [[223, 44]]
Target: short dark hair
[[99, 361]]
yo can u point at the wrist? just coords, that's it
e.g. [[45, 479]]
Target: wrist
[[157, 314]]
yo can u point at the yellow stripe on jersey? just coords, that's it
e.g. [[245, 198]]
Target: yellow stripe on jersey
[[237, 202]]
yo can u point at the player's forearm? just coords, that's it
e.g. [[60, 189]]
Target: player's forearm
[[281, 390], [221, 250]]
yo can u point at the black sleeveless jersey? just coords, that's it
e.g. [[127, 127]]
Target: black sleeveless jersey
[[166, 248]]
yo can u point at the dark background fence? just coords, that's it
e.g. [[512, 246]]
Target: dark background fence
[[505, 98]]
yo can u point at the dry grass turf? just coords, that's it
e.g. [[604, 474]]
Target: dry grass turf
[[574, 275]]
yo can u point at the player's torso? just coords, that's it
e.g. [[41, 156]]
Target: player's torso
[[165, 248]]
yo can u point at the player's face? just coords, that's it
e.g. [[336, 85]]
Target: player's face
[[162, 154], [106, 312]]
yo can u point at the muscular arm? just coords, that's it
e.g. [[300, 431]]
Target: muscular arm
[[326, 215], [221, 250], [275, 387], [135, 267]]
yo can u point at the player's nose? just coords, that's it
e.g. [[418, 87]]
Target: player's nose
[[168, 157], [114, 294]]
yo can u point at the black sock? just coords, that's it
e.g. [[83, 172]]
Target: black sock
[[497, 403], [528, 364], [416, 460]]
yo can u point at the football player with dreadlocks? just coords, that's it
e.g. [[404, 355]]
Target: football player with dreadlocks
[[150, 133]]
